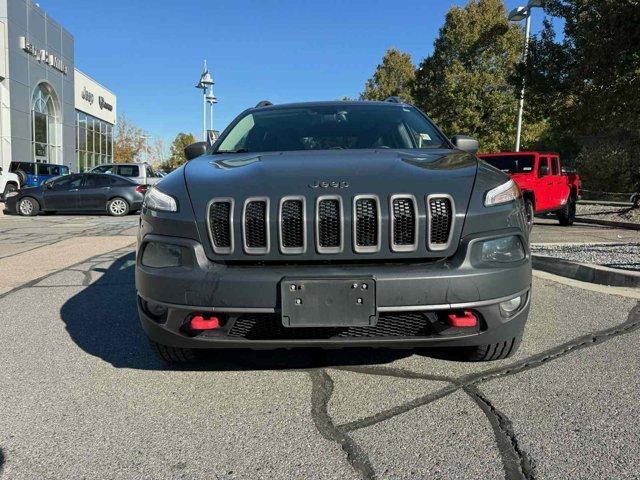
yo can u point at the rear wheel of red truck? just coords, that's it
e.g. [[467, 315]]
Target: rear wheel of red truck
[[567, 214]]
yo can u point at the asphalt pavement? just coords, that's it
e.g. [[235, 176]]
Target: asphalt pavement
[[82, 396]]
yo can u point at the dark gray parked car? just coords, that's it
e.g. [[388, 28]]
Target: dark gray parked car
[[86, 192], [334, 224]]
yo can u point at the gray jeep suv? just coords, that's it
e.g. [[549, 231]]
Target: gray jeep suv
[[334, 224]]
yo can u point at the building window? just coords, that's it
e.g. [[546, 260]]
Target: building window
[[94, 141], [45, 126]]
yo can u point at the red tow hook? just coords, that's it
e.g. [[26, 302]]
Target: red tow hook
[[468, 319], [199, 322]]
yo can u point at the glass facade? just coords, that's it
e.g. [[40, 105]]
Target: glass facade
[[94, 141]]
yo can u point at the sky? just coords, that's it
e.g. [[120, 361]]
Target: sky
[[150, 53]]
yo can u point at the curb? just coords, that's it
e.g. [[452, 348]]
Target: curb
[[585, 272], [608, 223]]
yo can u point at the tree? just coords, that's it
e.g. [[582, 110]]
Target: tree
[[178, 145], [588, 86], [395, 76], [128, 141], [464, 85]]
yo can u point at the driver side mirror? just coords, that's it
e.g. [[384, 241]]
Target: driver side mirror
[[195, 150], [465, 143]]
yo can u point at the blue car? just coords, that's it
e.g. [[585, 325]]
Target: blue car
[[33, 174]]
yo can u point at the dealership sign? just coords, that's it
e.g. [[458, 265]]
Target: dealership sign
[[43, 56]]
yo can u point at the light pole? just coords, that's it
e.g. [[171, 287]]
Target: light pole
[[211, 100], [516, 15], [206, 80]]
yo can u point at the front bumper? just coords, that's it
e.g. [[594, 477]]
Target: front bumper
[[406, 293]]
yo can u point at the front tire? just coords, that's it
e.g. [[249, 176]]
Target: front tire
[[28, 207], [173, 356], [492, 351], [529, 213], [567, 214], [118, 207]]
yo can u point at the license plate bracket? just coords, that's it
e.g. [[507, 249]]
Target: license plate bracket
[[328, 302]]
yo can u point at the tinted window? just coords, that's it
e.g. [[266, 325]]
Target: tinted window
[[104, 169], [27, 167], [96, 181], [512, 163], [327, 127], [554, 166], [128, 170], [121, 182], [543, 164], [67, 182]]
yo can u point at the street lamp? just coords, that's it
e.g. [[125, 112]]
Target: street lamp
[[517, 15], [206, 80], [211, 100]]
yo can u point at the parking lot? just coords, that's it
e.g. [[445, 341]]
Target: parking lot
[[82, 396]]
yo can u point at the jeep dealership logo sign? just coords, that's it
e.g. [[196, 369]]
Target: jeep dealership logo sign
[[43, 56]]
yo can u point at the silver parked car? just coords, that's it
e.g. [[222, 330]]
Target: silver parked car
[[141, 173]]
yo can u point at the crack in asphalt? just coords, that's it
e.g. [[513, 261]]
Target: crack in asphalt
[[516, 463], [321, 391]]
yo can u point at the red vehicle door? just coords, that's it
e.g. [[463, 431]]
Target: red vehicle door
[[545, 185], [560, 183]]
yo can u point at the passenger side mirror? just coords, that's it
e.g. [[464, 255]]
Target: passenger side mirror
[[543, 171], [195, 150], [465, 143]]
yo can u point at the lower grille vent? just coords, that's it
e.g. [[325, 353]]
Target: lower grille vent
[[269, 327]]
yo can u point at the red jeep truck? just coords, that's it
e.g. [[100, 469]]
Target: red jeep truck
[[546, 186]]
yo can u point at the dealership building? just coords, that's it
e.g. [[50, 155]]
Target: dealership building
[[49, 110]]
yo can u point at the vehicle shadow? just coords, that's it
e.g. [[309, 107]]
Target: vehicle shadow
[[102, 319]]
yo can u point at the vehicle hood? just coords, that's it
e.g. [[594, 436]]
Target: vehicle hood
[[378, 172]]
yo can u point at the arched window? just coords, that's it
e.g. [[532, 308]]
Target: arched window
[[45, 128]]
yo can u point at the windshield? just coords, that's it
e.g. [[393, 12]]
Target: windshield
[[327, 127], [511, 163]]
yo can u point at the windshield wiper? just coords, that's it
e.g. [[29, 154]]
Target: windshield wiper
[[240, 150]]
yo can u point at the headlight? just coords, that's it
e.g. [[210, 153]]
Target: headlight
[[156, 200], [507, 192], [11, 194], [503, 250]]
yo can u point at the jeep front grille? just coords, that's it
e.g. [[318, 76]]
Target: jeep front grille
[[335, 224], [440, 214], [329, 219], [366, 227], [256, 225], [292, 225], [404, 223], [221, 225]]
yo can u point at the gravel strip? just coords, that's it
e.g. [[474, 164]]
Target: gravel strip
[[625, 256], [612, 213]]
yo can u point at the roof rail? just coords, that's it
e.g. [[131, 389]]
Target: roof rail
[[264, 103], [394, 100]]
